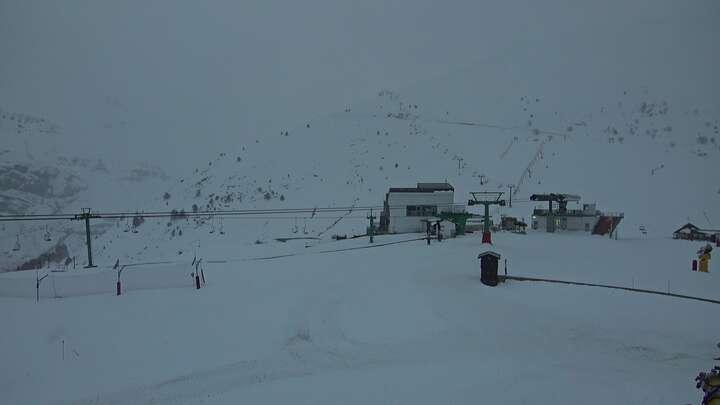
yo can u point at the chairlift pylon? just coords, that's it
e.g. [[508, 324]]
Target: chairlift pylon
[[134, 227]]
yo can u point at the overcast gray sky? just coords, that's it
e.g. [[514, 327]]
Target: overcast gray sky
[[226, 70]]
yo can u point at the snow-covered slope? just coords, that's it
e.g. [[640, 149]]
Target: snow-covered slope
[[402, 323], [634, 153], [42, 173]]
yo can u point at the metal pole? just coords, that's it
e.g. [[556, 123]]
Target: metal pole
[[427, 231], [486, 225], [486, 237], [550, 226], [87, 235], [511, 187], [38, 280], [372, 226], [119, 285], [197, 276]]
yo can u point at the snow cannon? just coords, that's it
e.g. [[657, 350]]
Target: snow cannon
[[489, 260]]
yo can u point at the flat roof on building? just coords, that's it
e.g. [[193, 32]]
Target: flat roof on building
[[423, 188]]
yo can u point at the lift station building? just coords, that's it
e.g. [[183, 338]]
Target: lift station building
[[407, 209], [587, 218]]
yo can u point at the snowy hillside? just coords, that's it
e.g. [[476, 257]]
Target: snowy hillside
[[577, 94], [41, 173], [351, 158]]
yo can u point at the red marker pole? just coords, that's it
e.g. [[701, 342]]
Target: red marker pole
[[486, 238]]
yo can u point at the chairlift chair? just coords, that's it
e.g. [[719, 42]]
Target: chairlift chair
[[47, 234], [17, 243], [222, 229], [212, 225]]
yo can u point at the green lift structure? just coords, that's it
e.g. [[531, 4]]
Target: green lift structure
[[457, 218], [486, 198]]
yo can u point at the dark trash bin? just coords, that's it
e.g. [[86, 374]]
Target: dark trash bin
[[489, 261]]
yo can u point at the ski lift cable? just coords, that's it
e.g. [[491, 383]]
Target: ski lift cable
[[219, 213]]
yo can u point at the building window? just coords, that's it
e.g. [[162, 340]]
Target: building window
[[421, 210]]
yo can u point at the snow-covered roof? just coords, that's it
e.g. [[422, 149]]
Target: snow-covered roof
[[431, 219], [436, 186], [710, 231], [489, 250], [423, 188], [687, 226]]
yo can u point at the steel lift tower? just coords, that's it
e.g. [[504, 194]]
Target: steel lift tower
[[561, 199], [86, 215], [486, 198]]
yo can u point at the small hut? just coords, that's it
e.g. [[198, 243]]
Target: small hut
[[489, 261]]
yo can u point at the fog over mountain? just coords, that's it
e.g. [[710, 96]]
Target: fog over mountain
[[186, 79]]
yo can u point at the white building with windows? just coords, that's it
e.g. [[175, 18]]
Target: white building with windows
[[407, 210], [588, 219]]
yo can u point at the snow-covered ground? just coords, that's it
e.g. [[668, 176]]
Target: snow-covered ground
[[400, 323], [616, 107], [328, 104]]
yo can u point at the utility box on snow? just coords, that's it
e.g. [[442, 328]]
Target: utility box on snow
[[489, 260]]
